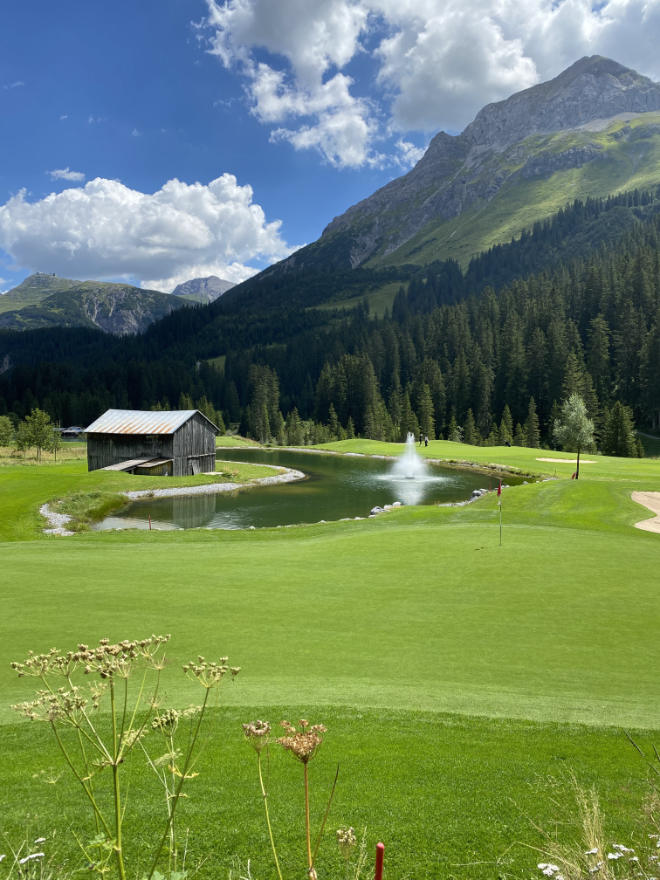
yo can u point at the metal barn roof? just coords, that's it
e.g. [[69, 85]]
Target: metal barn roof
[[135, 421]]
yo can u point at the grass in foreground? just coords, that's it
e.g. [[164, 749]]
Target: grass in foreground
[[451, 797], [445, 666]]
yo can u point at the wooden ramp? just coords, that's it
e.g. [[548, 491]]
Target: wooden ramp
[[132, 463]]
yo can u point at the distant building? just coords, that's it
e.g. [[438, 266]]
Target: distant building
[[75, 432], [174, 443]]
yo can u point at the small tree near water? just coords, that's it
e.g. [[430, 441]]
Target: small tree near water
[[573, 430]]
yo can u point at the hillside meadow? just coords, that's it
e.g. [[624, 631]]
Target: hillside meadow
[[462, 682]]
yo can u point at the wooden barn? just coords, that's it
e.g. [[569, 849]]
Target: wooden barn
[[176, 443]]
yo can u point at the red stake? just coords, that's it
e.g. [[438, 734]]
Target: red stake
[[380, 855], [149, 522]]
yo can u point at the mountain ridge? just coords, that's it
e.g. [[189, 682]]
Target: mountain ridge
[[45, 300], [593, 112]]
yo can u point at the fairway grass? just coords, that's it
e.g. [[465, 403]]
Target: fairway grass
[[462, 680]]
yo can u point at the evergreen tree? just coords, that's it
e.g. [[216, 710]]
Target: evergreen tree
[[425, 412], [506, 427], [470, 433], [333, 422], [519, 435], [454, 431], [531, 430], [619, 437], [294, 429]]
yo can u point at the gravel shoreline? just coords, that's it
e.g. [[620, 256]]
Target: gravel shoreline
[[57, 522]]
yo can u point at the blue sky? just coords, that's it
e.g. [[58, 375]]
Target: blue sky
[[156, 141]]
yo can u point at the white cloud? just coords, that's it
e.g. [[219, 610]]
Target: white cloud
[[66, 174], [423, 64], [14, 85], [408, 154], [106, 230]]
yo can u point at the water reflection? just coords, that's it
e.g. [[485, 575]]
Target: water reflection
[[336, 487]]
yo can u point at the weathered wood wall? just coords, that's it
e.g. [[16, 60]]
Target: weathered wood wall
[[105, 449], [194, 441]]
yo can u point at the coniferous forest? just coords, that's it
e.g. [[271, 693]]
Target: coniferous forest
[[485, 355]]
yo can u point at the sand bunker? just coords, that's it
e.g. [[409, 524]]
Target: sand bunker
[[568, 460], [652, 501]]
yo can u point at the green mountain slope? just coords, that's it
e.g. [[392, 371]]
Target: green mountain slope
[[593, 131], [623, 156], [33, 290], [48, 301]]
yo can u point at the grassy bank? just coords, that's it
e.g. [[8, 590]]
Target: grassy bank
[[70, 489], [461, 679]]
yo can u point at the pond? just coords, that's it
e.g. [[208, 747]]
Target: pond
[[337, 487]]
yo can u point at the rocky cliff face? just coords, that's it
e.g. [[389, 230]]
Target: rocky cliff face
[[507, 139], [203, 290], [47, 301]]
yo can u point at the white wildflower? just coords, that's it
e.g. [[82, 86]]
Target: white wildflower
[[40, 840], [30, 858], [622, 848], [548, 869], [595, 868], [613, 856], [592, 852]]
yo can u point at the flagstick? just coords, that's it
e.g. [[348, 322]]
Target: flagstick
[[500, 506]]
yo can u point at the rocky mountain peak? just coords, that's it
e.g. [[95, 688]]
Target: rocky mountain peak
[[592, 88], [469, 170], [205, 289]]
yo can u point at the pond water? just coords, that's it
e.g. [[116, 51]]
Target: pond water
[[336, 487]]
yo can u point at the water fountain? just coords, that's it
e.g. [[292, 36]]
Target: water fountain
[[411, 474], [410, 465]]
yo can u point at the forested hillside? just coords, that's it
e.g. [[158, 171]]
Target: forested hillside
[[573, 305]]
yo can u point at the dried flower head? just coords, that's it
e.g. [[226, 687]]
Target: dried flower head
[[210, 673], [54, 706], [168, 719], [346, 840], [257, 733], [304, 743], [106, 659]]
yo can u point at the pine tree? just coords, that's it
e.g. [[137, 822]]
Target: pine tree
[[531, 429], [619, 437], [294, 429], [425, 412], [333, 422], [506, 427], [470, 433]]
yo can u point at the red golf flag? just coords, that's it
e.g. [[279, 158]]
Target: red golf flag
[[499, 489]]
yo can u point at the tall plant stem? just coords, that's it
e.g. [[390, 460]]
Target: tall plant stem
[[177, 792], [270, 830], [116, 746], [325, 815], [310, 863], [86, 788]]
